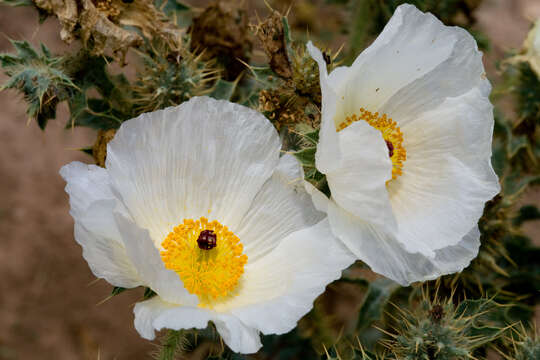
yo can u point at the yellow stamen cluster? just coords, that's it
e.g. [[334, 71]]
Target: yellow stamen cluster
[[210, 274], [391, 133]]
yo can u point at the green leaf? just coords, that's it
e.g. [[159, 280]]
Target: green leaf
[[90, 74], [177, 10], [172, 345], [312, 137], [223, 90], [148, 293], [469, 308], [174, 5], [515, 183], [287, 346], [41, 78], [515, 144], [487, 319], [94, 113], [260, 78], [498, 157], [88, 150], [306, 156], [117, 290], [25, 50], [288, 38], [528, 96], [377, 297], [16, 3], [526, 213], [364, 14]]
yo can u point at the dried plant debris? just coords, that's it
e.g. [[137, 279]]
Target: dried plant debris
[[274, 38], [221, 30], [297, 99], [285, 108], [99, 150], [101, 24]]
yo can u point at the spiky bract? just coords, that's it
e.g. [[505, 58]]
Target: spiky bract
[[170, 77]]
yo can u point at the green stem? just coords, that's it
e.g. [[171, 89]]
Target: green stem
[[170, 345]]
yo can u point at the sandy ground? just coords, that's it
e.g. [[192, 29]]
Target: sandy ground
[[48, 296]]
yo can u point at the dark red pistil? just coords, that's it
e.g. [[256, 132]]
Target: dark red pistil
[[390, 148], [207, 240]]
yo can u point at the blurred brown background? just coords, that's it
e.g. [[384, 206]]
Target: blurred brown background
[[49, 299]]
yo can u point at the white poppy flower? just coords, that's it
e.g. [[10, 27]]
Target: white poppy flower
[[405, 143], [531, 49], [196, 204]]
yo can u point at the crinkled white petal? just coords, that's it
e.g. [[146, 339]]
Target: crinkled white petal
[[155, 314], [280, 288], [388, 256], [355, 160], [358, 184], [436, 62], [413, 66], [202, 158], [448, 176], [146, 258], [328, 150], [415, 53], [281, 207], [92, 203]]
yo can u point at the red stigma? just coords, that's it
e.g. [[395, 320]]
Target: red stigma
[[207, 240], [390, 148]]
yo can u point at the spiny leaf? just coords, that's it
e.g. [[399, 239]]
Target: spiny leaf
[[223, 89], [172, 345], [176, 10], [516, 144], [515, 183], [94, 113], [114, 104], [378, 294], [312, 137], [526, 213], [306, 156], [41, 78]]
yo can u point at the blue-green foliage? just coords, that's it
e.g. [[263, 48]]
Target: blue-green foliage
[[113, 103], [39, 77]]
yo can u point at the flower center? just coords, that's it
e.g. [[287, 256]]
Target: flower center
[[206, 256], [391, 134]]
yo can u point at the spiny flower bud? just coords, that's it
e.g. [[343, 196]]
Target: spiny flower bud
[[172, 76], [438, 330]]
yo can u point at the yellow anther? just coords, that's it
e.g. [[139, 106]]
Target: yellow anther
[[391, 133], [210, 274]]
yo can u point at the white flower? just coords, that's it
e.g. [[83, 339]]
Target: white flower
[[405, 143], [214, 167], [531, 49]]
